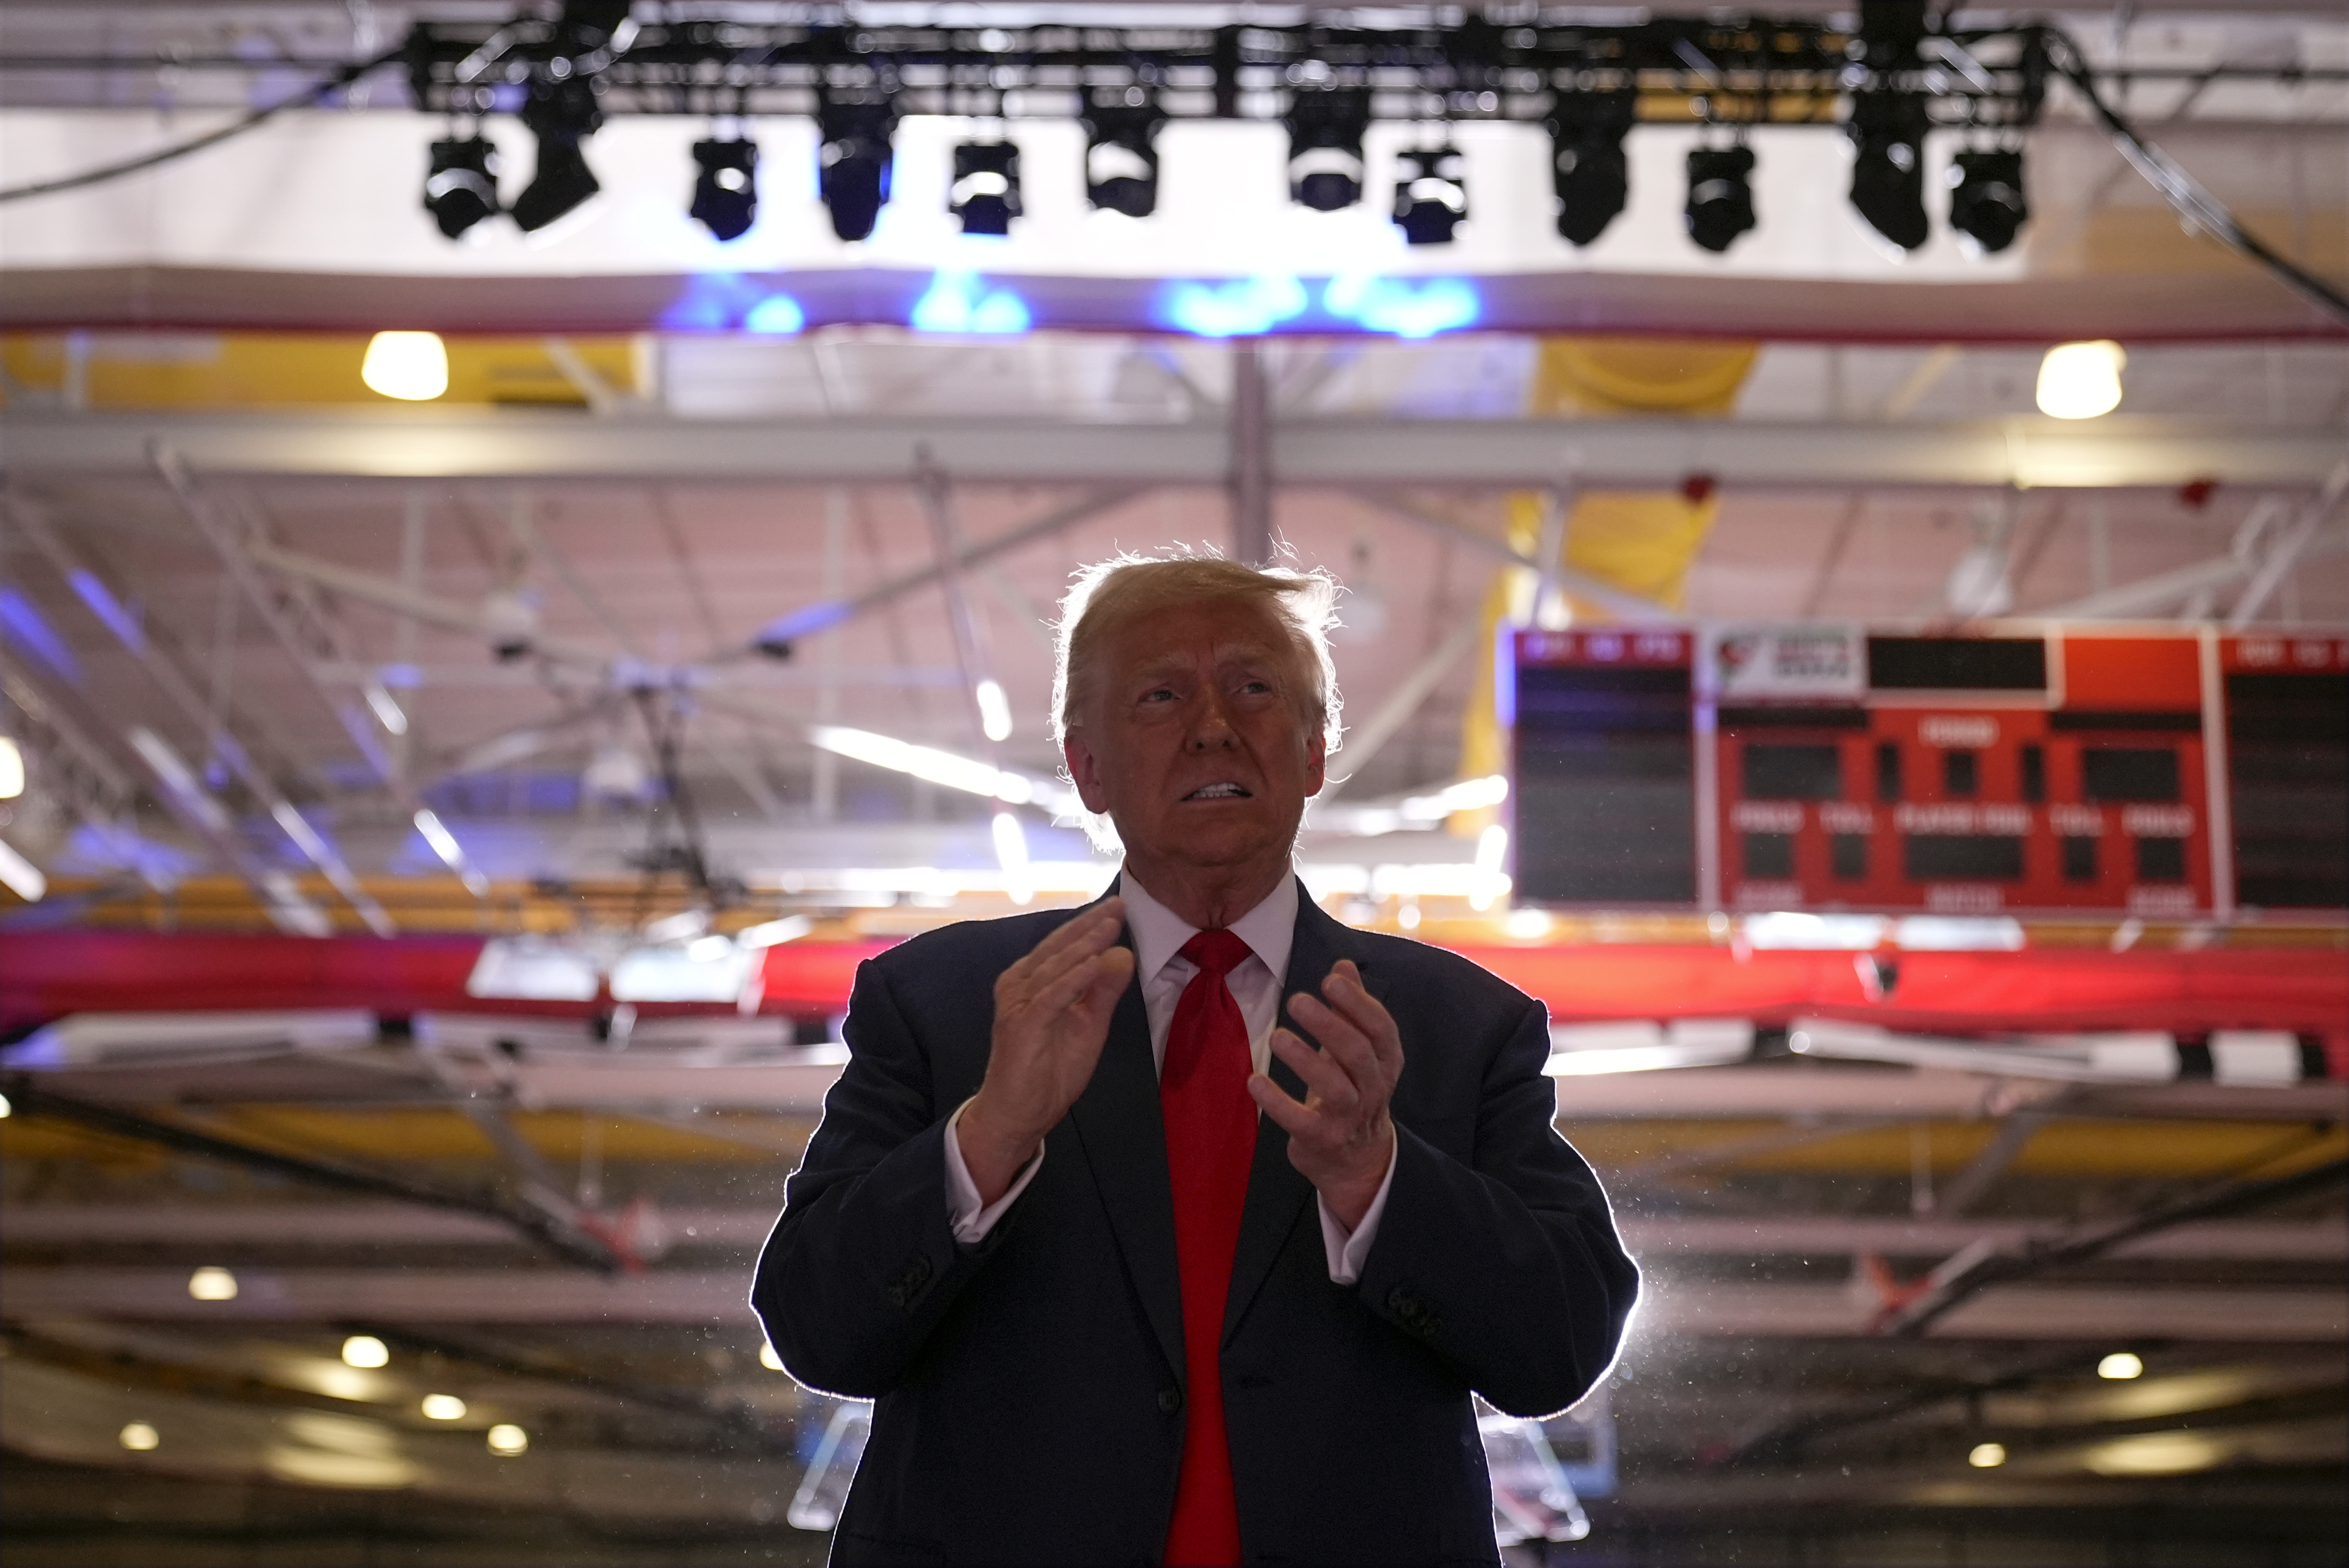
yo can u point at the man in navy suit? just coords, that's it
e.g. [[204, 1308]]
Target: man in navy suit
[[1055, 1221]]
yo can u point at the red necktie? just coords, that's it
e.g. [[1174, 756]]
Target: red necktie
[[1210, 1143]]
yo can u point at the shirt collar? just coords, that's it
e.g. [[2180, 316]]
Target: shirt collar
[[1269, 929]]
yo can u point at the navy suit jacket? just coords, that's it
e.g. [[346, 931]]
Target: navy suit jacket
[[1029, 1390]]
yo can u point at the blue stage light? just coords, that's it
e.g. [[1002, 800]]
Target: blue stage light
[[956, 301], [777, 315], [1243, 308], [723, 302], [1403, 308]]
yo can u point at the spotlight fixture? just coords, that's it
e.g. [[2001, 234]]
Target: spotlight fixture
[[1122, 153], [1720, 195], [1986, 202], [1325, 146], [461, 187], [1888, 177], [561, 114], [852, 167], [985, 190], [1431, 194], [1587, 169], [726, 193]]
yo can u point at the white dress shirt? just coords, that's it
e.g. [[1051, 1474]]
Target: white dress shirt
[[1159, 934]]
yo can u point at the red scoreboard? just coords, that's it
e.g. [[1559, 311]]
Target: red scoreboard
[[2166, 773]]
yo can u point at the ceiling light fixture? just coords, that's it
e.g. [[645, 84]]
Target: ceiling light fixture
[[1431, 194], [1587, 169], [1325, 146], [1121, 152], [1720, 195], [460, 188], [443, 1407], [2120, 1366], [212, 1283], [853, 162], [1987, 206], [1987, 1456], [726, 192], [2080, 380], [985, 190], [365, 1350], [506, 1439], [412, 366], [12, 769]]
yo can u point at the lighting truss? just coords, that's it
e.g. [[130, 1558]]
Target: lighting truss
[[1887, 84], [1790, 71]]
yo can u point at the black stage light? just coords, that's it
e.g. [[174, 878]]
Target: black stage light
[[1720, 195], [1325, 146], [726, 192], [1587, 168], [1431, 194], [561, 114], [1888, 177], [1121, 154], [852, 167], [463, 187], [985, 190], [1986, 202]]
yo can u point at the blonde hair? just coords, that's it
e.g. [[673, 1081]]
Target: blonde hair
[[1117, 592]]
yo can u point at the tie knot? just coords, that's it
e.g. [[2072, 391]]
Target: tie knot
[[1216, 952]]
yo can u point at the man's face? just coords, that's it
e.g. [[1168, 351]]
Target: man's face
[[1195, 736]]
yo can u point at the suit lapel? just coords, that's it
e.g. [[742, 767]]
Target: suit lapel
[[1277, 1193], [1123, 1135]]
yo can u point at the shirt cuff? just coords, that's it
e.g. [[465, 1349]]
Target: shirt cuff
[[1345, 1251], [972, 1220]]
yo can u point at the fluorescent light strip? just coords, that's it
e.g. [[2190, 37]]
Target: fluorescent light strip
[[21, 876], [926, 762]]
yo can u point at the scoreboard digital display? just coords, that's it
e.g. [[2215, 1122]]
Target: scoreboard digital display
[[2164, 774]]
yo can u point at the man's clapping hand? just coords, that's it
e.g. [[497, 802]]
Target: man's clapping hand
[[1053, 1012], [1339, 1136]]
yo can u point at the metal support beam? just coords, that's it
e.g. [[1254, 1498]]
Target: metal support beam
[[1734, 1309], [1365, 742], [971, 651], [824, 615], [1251, 455], [2281, 556], [1982, 1266], [1606, 595], [164, 670], [26, 1098], [330, 1223], [1982, 1171], [309, 635], [2118, 450]]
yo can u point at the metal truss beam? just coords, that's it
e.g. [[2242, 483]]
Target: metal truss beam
[[342, 1224], [2116, 451], [164, 668], [1732, 1309], [309, 635]]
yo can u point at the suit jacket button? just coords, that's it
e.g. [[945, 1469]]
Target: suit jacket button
[[1169, 1400]]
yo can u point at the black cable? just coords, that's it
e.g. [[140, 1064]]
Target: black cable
[[2179, 188], [342, 76]]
